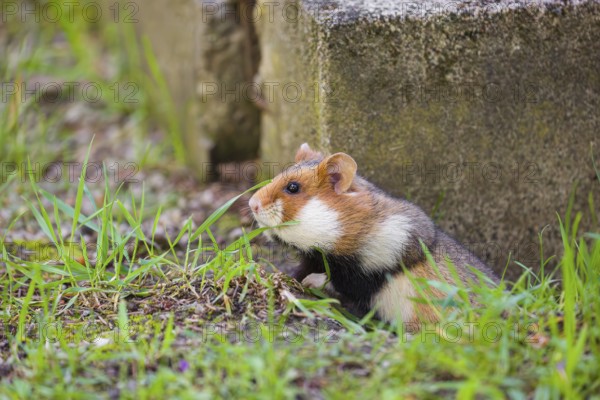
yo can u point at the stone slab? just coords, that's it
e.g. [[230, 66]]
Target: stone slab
[[486, 114]]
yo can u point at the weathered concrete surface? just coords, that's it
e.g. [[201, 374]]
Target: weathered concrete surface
[[208, 54], [487, 113]]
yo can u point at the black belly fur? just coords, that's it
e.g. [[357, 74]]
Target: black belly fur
[[349, 279]]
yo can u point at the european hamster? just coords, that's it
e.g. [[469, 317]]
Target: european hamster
[[368, 237]]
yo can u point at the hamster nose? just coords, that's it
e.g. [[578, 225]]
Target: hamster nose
[[254, 204]]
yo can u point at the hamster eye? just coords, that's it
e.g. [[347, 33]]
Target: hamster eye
[[292, 187]]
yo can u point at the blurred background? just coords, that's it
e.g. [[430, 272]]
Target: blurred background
[[484, 114]]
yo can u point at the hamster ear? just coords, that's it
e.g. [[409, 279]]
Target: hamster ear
[[305, 153], [340, 169]]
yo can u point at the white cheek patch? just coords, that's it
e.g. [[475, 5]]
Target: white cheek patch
[[318, 225], [393, 302], [386, 243]]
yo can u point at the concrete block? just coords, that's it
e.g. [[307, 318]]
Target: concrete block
[[485, 114]]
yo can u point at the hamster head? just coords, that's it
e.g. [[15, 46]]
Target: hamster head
[[313, 192]]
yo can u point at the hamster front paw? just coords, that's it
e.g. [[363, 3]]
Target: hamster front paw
[[320, 281], [315, 281]]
